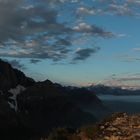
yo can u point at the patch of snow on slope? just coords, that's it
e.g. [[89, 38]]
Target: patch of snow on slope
[[12, 106], [15, 92]]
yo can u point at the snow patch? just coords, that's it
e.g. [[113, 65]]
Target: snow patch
[[11, 105], [15, 92]]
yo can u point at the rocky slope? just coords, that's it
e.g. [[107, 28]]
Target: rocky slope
[[119, 126]]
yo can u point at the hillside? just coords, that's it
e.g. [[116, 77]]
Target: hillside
[[110, 90], [119, 126]]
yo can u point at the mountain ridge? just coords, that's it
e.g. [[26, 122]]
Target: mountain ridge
[[41, 106]]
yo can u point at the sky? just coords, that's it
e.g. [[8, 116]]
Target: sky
[[73, 42]]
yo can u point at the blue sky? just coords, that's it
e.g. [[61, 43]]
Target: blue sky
[[74, 42]]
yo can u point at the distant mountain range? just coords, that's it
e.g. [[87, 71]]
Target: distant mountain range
[[108, 90], [30, 108]]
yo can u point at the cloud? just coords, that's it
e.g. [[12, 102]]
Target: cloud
[[120, 35], [62, 1], [15, 63], [130, 57], [42, 30], [33, 31], [108, 1], [131, 78], [134, 2], [9, 18], [110, 7], [125, 80], [85, 11], [136, 49], [84, 53], [120, 9], [91, 29], [34, 61]]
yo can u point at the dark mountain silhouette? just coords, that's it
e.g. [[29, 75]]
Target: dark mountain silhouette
[[48, 104], [29, 107]]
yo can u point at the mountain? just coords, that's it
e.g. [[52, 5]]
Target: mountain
[[10, 77], [49, 105], [35, 108], [107, 90]]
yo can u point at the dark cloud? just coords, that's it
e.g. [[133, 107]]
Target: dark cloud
[[34, 61], [37, 31], [92, 29], [32, 32], [82, 54]]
